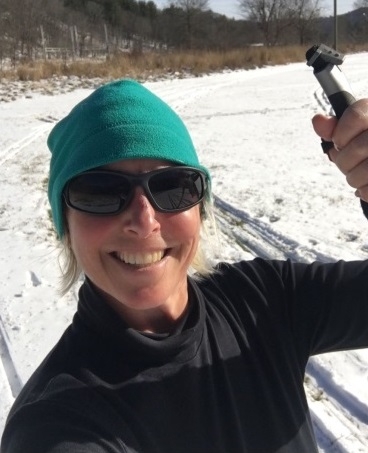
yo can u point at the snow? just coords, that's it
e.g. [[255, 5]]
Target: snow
[[277, 195]]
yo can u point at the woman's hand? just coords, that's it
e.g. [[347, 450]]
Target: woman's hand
[[350, 137]]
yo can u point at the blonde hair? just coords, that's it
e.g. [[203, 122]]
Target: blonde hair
[[201, 265]]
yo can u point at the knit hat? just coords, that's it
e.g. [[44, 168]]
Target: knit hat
[[120, 120]]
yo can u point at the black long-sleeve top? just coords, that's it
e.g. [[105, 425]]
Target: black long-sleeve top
[[229, 379]]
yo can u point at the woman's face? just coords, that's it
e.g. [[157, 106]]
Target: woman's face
[[139, 258]]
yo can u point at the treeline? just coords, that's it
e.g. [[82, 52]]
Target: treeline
[[31, 29]]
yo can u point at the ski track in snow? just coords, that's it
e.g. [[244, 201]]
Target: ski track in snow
[[13, 381], [245, 234], [258, 238], [13, 150]]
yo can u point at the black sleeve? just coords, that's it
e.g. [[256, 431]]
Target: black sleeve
[[327, 305], [45, 427], [310, 308], [63, 416]]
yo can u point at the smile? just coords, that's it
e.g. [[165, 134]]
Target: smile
[[139, 259]]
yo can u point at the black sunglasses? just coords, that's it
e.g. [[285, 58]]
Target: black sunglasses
[[105, 192]]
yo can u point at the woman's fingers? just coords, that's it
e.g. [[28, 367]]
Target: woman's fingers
[[349, 135]]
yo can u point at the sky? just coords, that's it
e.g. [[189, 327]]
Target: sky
[[230, 7], [277, 196]]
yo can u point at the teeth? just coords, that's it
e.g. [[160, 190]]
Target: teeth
[[141, 258]]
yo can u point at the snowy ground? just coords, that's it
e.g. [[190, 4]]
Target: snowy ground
[[276, 195]]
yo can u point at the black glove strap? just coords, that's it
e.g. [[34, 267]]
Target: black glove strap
[[364, 206]]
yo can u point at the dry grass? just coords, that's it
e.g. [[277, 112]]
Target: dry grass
[[141, 66]]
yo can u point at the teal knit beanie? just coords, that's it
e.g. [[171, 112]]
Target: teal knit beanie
[[120, 120]]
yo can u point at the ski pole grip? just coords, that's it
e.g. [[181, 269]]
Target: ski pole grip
[[340, 102]]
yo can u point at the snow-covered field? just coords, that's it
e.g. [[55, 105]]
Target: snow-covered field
[[277, 195]]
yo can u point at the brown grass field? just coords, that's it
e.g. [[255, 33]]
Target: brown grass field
[[146, 65]]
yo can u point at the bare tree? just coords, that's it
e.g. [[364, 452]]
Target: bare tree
[[22, 25], [306, 13], [192, 10], [275, 16], [186, 5], [272, 16]]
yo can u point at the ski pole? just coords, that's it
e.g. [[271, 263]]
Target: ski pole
[[325, 62]]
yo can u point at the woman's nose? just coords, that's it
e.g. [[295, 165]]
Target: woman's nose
[[140, 217]]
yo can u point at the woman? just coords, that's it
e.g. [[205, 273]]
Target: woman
[[156, 360]]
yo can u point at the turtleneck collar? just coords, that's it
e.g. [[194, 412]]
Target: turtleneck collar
[[180, 345]]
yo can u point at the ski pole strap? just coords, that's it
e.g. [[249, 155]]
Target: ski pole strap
[[364, 206], [326, 147]]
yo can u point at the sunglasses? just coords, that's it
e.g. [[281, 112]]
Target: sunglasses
[[104, 192]]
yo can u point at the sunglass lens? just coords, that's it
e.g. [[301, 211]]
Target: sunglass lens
[[98, 193], [176, 189]]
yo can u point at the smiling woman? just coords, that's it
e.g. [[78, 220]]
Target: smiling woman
[[158, 360], [130, 215]]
